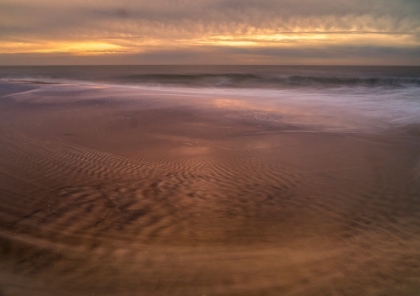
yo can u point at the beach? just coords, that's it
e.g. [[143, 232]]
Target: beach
[[129, 190]]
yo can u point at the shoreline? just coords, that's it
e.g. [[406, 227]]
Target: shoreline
[[119, 193]]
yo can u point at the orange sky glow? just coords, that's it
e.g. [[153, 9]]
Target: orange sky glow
[[210, 32]]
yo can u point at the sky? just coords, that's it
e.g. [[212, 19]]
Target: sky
[[265, 32]]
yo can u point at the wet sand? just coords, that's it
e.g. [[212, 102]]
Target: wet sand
[[118, 191]]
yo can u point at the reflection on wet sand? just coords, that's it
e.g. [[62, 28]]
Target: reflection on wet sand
[[114, 193]]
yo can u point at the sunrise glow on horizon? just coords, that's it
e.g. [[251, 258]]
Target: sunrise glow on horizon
[[210, 32]]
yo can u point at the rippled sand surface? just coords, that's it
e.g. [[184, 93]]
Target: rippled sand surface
[[113, 191]]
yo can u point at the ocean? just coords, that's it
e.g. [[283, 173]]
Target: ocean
[[384, 96], [248, 77]]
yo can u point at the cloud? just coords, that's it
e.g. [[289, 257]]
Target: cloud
[[140, 27], [207, 16]]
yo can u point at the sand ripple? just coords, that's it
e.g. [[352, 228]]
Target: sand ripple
[[113, 202]]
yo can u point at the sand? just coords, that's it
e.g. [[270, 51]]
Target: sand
[[119, 191]]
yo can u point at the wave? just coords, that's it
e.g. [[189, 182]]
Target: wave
[[231, 80], [239, 80]]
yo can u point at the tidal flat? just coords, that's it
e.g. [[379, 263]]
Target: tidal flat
[[119, 190]]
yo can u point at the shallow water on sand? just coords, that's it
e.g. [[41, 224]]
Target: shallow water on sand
[[110, 190]]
